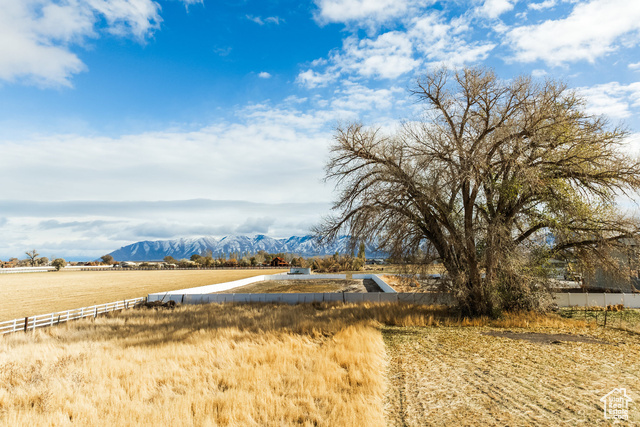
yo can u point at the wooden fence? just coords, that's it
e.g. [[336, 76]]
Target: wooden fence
[[31, 323]]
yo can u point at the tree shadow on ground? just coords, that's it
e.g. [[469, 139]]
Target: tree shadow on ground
[[158, 326]]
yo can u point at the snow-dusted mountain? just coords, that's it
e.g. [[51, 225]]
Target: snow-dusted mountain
[[183, 248]]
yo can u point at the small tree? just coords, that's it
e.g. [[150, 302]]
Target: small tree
[[361, 252], [32, 255], [107, 259], [58, 263], [198, 259], [170, 260]]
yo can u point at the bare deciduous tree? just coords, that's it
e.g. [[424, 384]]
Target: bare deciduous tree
[[32, 255], [497, 176]]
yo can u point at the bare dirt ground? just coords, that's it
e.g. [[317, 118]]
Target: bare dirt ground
[[410, 284], [306, 286], [477, 377]]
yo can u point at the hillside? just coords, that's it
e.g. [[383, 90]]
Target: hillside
[[184, 248]]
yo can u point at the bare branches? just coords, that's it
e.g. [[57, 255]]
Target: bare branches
[[492, 166]]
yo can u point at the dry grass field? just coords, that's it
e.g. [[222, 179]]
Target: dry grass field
[[197, 366], [320, 364], [29, 294]]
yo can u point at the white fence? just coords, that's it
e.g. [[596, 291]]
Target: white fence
[[26, 270], [302, 298], [42, 320], [596, 300], [381, 283]]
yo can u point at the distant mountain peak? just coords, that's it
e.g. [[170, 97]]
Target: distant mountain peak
[[185, 247]]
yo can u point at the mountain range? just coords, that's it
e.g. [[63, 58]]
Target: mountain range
[[183, 248]]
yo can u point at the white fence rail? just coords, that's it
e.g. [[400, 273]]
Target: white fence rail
[[31, 323], [381, 283], [588, 299], [302, 298], [562, 299], [26, 270]]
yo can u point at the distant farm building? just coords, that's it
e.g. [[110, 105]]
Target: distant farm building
[[279, 262], [8, 264]]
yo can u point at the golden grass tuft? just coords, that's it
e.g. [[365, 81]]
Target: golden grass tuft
[[205, 365]]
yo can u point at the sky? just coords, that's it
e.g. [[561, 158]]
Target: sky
[[129, 120]]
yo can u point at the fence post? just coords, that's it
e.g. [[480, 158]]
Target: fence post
[[81, 312], [15, 321], [26, 322], [51, 319], [95, 314]]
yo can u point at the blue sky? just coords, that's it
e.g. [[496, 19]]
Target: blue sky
[[125, 120]]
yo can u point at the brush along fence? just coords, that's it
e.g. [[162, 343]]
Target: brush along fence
[[31, 323]]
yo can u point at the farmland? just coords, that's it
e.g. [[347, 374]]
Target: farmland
[[40, 293], [321, 364]]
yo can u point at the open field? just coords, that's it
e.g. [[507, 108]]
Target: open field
[[41, 293], [460, 376], [319, 364], [198, 365], [306, 286]]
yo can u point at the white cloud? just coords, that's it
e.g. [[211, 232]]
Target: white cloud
[[264, 75], [538, 73], [124, 17], [429, 39], [634, 66], [612, 99], [387, 56], [494, 8], [276, 20], [362, 11], [444, 43], [312, 79], [355, 97], [37, 36], [547, 4], [592, 30], [632, 144], [93, 228], [223, 160]]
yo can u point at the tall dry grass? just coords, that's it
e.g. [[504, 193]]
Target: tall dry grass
[[239, 365], [206, 365]]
